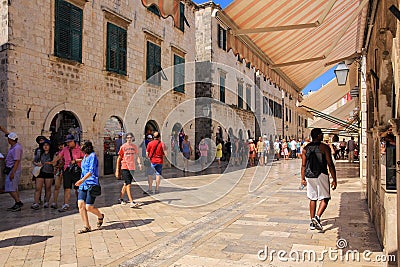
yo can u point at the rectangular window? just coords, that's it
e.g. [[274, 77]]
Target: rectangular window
[[153, 63], [305, 123], [265, 105], [221, 38], [222, 89], [116, 49], [286, 114], [182, 16], [68, 31], [179, 74], [290, 115], [248, 97], [248, 65], [240, 95], [271, 107]]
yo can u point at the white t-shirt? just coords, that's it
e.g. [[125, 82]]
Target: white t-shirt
[[293, 145]]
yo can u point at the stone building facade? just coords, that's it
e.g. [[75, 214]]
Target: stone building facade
[[236, 85], [62, 71], [380, 118]]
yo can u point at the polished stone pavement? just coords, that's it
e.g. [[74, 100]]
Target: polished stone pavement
[[221, 218]]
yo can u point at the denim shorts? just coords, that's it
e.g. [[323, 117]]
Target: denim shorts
[[86, 197], [157, 168]]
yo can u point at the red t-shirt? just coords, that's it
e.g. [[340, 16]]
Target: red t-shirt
[[127, 153], [158, 156]]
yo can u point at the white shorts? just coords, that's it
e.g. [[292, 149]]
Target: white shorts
[[318, 188]]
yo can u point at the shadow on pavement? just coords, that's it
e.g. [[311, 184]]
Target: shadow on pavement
[[112, 225], [23, 240]]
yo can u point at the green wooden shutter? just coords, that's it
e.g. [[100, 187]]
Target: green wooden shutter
[[122, 36], [181, 16], [224, 39], [153, 65], [112, 47], [68, 31], [179, 74], [76, 33], [219, 36]]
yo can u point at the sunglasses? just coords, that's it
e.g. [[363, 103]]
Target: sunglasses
[[129, 137]]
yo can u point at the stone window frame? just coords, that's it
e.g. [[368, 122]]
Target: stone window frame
[[110, 16]]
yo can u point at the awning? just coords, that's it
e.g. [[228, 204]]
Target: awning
[[302, 38], [167, 8], [327, 96], [341, 118]]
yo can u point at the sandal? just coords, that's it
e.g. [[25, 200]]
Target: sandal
[[100, 221], [85, 230]]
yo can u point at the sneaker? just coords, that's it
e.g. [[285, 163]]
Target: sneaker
[[15, 206], [312, 226], [121, 201], [317, 222], [64, 208], [46, 205], [156, 191], [35, 206], [134, 204], [53, 205]]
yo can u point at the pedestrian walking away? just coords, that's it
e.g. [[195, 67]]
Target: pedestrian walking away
[[203, 148], [316, 158], [72, 155], [351, 146], [127, 155], [13, 168], [89, 180], [45, 177], [155, 152], [186, 151], [260, 151]]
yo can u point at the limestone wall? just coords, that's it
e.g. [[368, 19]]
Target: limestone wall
[[44, 84]]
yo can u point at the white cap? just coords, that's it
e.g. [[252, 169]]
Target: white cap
[[12, 136]]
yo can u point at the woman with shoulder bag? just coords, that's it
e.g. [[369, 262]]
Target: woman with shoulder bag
[[89, 188], [45, 177]]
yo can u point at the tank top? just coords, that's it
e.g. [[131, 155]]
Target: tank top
[[186, 147]]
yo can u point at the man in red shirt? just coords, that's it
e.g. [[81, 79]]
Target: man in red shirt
[[126, 163], [155, 152]]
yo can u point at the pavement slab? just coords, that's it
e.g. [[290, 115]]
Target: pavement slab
[[264, 210]]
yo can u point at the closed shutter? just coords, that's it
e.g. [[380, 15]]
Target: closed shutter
[[181, 16], [219, 36], [68, 31], [153, 63], [122, 51], [179, 74], [222, 89], [224, 39], [240, 95], [112, 47]]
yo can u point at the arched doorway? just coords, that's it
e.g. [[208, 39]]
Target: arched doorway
[[64, 123], [112, 141], [240, 134], [151, 127], [230, 134]]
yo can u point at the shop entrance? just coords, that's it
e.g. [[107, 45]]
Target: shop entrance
[[112, 140], [64, 123]]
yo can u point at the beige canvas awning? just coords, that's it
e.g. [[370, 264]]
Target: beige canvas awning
[[342, 113], [302, 38]]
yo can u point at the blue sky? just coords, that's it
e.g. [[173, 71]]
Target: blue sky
[[314, 85]]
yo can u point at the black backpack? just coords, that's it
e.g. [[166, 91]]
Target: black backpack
[[313, 164]]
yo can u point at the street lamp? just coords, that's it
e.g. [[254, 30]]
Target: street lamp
[[341, 73]]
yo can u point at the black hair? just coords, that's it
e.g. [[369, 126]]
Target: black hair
[[315, 132], [87, 148], [130, 134]]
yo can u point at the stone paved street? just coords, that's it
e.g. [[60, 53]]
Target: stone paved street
[[170, 231]]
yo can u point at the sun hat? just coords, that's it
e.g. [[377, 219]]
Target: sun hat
[[40, 137], [12, 136], [69, 138]]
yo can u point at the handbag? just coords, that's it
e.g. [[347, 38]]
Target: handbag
[[95, 190], [36, 171], [73, 170], [7, 170]]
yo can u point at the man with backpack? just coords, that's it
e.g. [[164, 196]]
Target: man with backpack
[[316, 158]]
